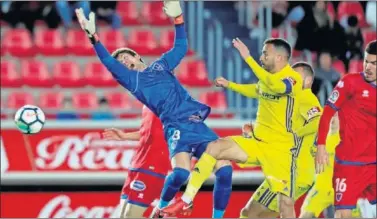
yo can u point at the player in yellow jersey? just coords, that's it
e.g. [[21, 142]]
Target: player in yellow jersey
[[264, 203], [321, 196], [275, 144]]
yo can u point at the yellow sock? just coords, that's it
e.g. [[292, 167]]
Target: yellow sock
[[241, 216], [202, 171]]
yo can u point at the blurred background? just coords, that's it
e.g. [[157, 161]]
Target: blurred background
[[47, 60]]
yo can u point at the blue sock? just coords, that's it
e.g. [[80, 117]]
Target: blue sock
[[172, 185], [222, 190], [329, 212]]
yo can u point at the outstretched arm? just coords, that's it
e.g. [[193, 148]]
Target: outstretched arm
[[174, 56], [248, 90], [274, 83], [119, 135], [120, 72]]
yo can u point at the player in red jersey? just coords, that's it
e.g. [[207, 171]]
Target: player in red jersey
[[149, 165], [354, 98]]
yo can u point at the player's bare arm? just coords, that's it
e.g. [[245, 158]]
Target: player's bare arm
[[119, 135], [274, 83], [248, 90]]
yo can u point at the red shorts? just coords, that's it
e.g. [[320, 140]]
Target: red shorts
[[142, 188], [353, 182]]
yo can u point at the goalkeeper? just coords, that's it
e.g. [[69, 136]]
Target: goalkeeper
[[181, 115]]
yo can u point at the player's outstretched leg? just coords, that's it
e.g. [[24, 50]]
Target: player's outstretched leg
[[221, 149], [222, 189], [181, 165]]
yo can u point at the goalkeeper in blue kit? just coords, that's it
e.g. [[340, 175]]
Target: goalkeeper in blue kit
[[182, 116]]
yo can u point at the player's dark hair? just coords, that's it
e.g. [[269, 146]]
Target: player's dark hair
[[371, 48], [306, 66], [117, 52], [280, 43]]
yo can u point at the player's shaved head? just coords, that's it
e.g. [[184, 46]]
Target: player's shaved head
[[280, 45], [306, 71], [275, 54]]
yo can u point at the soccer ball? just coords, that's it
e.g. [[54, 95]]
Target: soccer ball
[[29, 119]]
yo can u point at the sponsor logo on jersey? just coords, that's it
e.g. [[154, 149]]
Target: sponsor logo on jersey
[[334, 96], [138, 185], [365, 93], [313, 111], [269, 96], [157, 67]]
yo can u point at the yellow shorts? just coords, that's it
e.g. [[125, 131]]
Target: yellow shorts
[[267, 198], [277, 165]]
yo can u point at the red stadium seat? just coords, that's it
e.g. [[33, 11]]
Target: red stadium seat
[[112, 39], [118, 100], [78, 43], [152, 14], [193, 74], [217, 101], [67, 74], [167, 42], [143, 42], [369, 35], [18, 99], [128, 12], [18, 43], [96, 74], [49, 42], [85, 100], [339, 66], [356, 66], [35, 74], [3, 48], [51, 100], [352, 8], [10, 77]]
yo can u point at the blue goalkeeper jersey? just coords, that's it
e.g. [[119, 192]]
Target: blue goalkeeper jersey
[[156, 86]]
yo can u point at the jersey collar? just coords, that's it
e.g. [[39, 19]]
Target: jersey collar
[[363, 75]]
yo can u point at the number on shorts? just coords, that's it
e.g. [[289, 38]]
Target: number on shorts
[[176, 135], [341, 185]]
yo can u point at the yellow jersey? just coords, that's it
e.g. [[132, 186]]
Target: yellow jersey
[[310, 110], [277, 108]]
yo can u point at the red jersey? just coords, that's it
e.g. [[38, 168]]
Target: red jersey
[[152, 154], [355, 101]]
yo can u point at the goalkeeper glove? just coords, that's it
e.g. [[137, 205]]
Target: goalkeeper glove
[[88, 25], [173, 9]]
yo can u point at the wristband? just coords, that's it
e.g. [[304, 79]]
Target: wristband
[[179, 19], [94, 38]]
